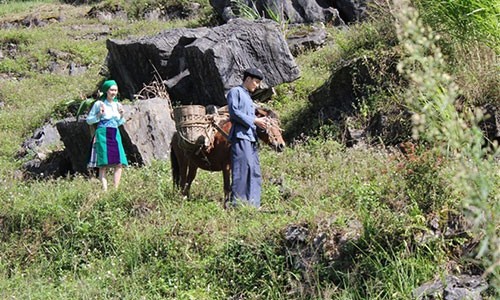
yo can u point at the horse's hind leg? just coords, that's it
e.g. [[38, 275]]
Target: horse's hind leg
[[179, 170], [188, 179], [179, 163], [175, 165]]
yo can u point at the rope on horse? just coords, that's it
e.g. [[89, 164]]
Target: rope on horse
[[203, 131]]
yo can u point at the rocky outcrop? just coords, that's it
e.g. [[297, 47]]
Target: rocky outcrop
[[337, 12], [151, 12], [48, 158], [355, 85], [134, 63], [324, 244], [452, 288], [148, 131], [352, 10], [201, 71], [200, 65], [307, 39], [77, 142], [347, 85], [44, 140], [299, 11]]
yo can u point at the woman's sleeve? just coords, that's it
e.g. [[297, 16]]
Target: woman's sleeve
[[121, 120], [94, 114]]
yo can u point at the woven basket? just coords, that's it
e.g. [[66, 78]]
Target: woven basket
[[192, 126], [189, 113]]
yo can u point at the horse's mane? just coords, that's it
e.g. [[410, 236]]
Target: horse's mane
[[268, 112]]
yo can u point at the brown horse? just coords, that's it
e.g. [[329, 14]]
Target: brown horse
[[217, 157]]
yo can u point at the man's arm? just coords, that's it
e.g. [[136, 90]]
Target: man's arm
[[234, 102]]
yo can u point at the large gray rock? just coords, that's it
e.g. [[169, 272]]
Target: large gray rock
[[43, 141], [453, 288], [148, 130], [46, 153], [354, 81], [342, 96], [352, 10], [76, 138], [202, 70], [55, 164], [336, 12], [306, 39], [134, 63], [344, 89], [200, 65], [146, 135]]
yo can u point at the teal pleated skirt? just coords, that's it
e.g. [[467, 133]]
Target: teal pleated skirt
[[107, 148]]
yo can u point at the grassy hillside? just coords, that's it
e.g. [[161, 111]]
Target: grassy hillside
[[336, 223]]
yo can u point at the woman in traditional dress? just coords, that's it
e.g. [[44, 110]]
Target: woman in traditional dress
[[107, 147]]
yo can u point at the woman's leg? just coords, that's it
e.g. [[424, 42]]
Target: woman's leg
[[118, 175], [102, 178]]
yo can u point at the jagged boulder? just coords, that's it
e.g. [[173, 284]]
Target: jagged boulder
[[325, 243], [354, 80], [201, 71], [337, 12], [306, 39], [55, 164], [44, 140], [453, 288], [47, 155], [344, 89], [148, 131], [134, 63], [200, 65], [352, 10], [352, 83], [294, 12], [75, 134]]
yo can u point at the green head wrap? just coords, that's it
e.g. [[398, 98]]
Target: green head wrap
[[105, 87]]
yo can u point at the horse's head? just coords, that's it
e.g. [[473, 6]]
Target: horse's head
[[272, 134]]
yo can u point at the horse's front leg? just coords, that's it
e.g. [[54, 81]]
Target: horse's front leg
[[191, 174], [226, 174], [183, 178]]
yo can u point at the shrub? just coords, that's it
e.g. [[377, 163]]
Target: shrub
[[453, 134]]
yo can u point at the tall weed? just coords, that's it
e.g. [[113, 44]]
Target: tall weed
[[249, 10], [453, 134], [465, 20]]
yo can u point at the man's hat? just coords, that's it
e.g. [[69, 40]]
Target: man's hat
[[253, 72]]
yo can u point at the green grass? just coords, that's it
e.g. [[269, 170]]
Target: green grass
[[82, 238], [465, 20], [12, 7]]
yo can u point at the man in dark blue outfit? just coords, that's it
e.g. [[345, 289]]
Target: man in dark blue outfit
[[245, 165]]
